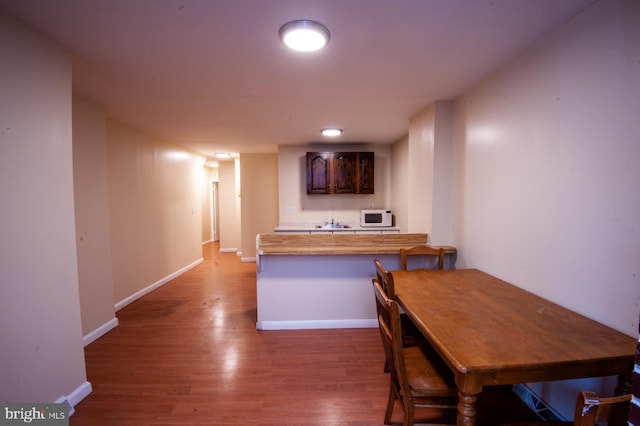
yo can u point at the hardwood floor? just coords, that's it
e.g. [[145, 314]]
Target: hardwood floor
[[189, 354]]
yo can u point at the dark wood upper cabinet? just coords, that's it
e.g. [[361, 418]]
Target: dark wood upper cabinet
[[365, 172], [340, 172]]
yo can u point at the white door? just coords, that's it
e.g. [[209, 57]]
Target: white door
[[215, 230]]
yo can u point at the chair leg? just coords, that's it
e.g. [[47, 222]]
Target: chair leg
[[408, 415], [390, 403]]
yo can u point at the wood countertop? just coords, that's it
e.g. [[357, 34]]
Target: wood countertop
[[338, 244], [352, 228]]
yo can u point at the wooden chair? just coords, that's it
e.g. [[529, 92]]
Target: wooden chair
[[411, 336], [591, 409], [418, 376], [385, 279], [425, 252]]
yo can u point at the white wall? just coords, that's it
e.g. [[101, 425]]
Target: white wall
[[295, 206], [546, 178], [41, 355]]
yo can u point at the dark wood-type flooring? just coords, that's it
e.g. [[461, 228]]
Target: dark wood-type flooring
[[189, 354]]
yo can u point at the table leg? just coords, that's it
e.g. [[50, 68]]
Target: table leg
[[624, 384], [467, 409]]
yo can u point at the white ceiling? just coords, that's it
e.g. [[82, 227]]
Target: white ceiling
[[213, 76]]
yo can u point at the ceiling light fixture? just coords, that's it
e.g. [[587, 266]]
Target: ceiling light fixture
[[304, 35], [331, 132], [223, 155]]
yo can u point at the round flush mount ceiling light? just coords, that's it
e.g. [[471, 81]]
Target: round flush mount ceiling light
[[304, 35], [331, 132]]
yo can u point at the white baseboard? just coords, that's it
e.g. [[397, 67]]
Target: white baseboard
[[99, 332], [229, 250], [80, 393], [247, 259], [121, 304], [316, 324]]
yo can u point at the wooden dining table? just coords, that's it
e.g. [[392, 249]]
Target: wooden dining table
[[490, 332]]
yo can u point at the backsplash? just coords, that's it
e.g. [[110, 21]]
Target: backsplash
[[318, 217]]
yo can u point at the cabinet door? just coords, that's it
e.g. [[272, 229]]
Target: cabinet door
[[366, 173], [318, 169], [345, 169]]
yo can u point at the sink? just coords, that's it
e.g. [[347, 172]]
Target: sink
[[332, 226]]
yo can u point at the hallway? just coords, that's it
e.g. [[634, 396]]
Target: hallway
[[189, 354]]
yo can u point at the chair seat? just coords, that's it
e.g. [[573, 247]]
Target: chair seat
[[428, 376]]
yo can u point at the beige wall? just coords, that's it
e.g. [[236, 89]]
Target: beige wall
[[545, 173], [399, 177], [41, 355], [441, 213], [93, 238], [229, 206], [544, 156], [259, 182], [420, 164], [155, 194], [428, 187]]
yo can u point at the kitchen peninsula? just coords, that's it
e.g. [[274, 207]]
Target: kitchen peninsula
[[324, 280]]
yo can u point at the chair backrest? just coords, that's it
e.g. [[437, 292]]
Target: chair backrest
[[391, 332], [385, 279], [590, 408], [425, 252]]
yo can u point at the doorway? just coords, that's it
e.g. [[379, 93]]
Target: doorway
[[214, 209]]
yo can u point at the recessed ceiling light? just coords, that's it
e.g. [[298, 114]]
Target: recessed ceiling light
[[332, 132], [304, 35], [222, 155]]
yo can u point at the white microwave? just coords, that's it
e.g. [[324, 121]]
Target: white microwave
[[375, 217]]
